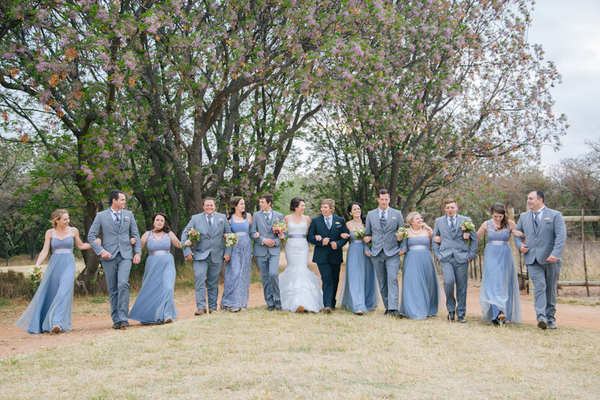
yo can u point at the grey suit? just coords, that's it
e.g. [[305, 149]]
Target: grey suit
[[384, 253], [267, 257], [208, 256], [548, 239], [454, 254], [115, 240]]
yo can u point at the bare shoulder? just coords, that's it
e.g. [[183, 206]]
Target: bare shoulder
[[287, 218], [48, 233], [75, 231]]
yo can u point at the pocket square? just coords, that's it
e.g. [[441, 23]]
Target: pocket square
[[546, 219], [337, 223], [126, 217], [220, 219], [393, 217]]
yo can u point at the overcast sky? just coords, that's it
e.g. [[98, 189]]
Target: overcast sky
[[569, 32]]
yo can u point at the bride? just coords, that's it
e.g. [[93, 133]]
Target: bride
[[299, 286]]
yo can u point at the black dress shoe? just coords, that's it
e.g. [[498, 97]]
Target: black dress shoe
[[451, 316], [117, 325], [278, 307], [271, 308], [386, 312], [462, 320], [542, 325], [124, 324], [211, 310], [496, 322], [551, 325], [397, 314]]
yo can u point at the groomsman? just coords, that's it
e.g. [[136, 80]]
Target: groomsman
[[454, 255], [545, 234], [118, 229], [324, 232], [208, 254], [266, 249], [382, 224]]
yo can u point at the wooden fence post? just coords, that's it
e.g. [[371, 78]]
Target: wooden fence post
[[587, 286]]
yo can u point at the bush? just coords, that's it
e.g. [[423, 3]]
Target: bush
[[15, 285]]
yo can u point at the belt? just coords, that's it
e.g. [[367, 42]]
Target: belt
[[296, 236], [241, 233], [62, 251], [498, 242], [419, 247], [356, 241], [158, 252]]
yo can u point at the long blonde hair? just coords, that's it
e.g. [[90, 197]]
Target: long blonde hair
[[56, 215], [411, 216]]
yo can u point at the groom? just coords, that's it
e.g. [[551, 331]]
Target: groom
[[382, 224], [454, 255], [118, 228], [325, 233], [267, 250], [545, 233], [208, 254]]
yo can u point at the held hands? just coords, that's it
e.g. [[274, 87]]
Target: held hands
[[466, 236], [437, 239], [137, 258], [523, 249]]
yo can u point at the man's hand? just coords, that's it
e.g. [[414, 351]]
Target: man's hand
[[190, 257], [325, 241], [269, 242], [401, 252], [226, 257], [105, 254], [137, 258], [523, 249], [552, 259], [334, 245]]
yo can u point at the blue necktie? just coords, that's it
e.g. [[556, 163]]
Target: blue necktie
[[536, 214], [382, 220], [210, 221], [118, 220]]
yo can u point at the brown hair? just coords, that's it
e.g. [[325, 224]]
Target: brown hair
[[412, 215], [448, 201], [500, 209], [295, 203], [382, 191], [165, 227], [233, 204], [209, 199], [329, 202], [268, 197], [56, 215]]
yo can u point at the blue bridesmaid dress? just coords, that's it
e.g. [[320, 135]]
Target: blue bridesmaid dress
[[359, 289], [52, 304], [156, 301], [420, 283], [236, 286], [499, 285]]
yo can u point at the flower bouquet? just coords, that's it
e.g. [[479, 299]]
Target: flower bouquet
[[231, 239], [193, 237], [467, 226], [279, 227], [361, 233], [402, 233], [35, 275]]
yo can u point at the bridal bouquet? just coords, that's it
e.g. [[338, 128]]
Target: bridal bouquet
[[361, 233], [193, 237], [231, 239], [35, 275], [402, 233], [467, 226], [279, 227]]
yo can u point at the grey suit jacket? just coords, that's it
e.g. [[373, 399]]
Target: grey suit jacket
[[115, 241], [384, 240], [259, 224], [549, 239], [453, 244], [211, 241]]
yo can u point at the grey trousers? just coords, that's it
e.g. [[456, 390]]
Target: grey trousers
[[269, 272], [387, 269], [206, 274], [117, 280], [455, 273], [545, 289]]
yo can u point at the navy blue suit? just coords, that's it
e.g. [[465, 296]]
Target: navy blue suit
[[327, 259]]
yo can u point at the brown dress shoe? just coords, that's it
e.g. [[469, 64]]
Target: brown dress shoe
[[56, 329], [200, 312], [300, 309], [327, 310]]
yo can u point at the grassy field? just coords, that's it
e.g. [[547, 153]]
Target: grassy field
[[262, 355]]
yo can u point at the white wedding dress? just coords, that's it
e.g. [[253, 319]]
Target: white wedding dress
[[299, 286]]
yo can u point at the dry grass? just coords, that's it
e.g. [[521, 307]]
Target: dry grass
[[264, 355], [572, 266]]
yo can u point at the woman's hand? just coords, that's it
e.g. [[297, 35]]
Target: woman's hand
[[518, 233], [132, 241], [345, 235], [188, 243], [98, 241], [466, 236], [318, 237], [437, 239]]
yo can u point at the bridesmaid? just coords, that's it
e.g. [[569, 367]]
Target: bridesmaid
[[156, 301], [51, 308], [420, 283], [360, 292], [499, 296], [236, 287]]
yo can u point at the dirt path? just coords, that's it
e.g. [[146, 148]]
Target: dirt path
[[88, 325]]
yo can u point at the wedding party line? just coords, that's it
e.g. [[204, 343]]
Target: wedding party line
[[376, 241]]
